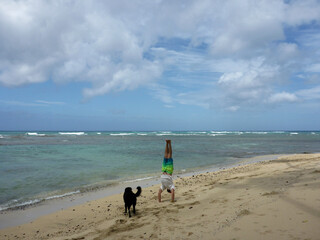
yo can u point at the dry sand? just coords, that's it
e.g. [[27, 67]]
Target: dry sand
[[277, 199]]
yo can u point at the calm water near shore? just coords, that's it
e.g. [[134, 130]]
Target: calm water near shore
[[37, 166]]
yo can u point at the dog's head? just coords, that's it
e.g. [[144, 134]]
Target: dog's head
[[128, 189]]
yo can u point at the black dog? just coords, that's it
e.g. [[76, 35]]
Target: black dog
[[130, 198]]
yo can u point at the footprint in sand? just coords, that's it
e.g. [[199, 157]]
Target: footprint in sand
[[171, 210], [270, 193], [121, 221], [190, 198], [194, 203], [243, 212], [213, 201], [180, 206]]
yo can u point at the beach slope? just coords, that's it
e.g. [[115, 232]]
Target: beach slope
[[277, 199]]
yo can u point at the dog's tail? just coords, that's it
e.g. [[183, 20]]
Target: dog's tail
[[138, 192]]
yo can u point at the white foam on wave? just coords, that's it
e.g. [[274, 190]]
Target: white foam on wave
[[258, 132], [24, 204], [62, 195], [197, 132], [165, 133], [177, 134], [181, 134], [72, 133], [142, 134], [99, 133], [35, 134], [1, 136], [138, 179], [294, 133], [228, 132], [14, 204], [218, 134], [121, 134]]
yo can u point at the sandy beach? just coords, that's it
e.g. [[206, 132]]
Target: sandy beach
[[278, 199]]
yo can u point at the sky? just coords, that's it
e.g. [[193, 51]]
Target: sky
[[159, 65]]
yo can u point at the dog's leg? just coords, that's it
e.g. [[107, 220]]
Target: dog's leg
[[125, 208], [129, 212], [134, 208]]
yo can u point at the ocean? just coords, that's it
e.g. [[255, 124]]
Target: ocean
[[39, 166]]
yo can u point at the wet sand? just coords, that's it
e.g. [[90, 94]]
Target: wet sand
[[277, 199]]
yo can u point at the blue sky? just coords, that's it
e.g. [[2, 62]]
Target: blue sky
[[159, 65]]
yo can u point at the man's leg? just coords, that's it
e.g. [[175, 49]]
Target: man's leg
[[172, 195], [170, 149], [159, 195], [166, 152]]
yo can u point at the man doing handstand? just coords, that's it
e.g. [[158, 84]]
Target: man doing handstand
[[167, 170]]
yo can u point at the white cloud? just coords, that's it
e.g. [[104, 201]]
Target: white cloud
[[285, 53], [310, 94], [252, 84], [38, 103], [314, 68], [248, 27], [50, 102], [71, 41], [282, 97], [23, 104], [312, 79], [125, 78], [162, 93], [169, 106], [233, 108], [233, 53], [195, 98], [301, 12]]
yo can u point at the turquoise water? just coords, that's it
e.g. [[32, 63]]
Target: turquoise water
[[43, 165]]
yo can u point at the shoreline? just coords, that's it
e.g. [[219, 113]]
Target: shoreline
[[272, 199], [19, 215]]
